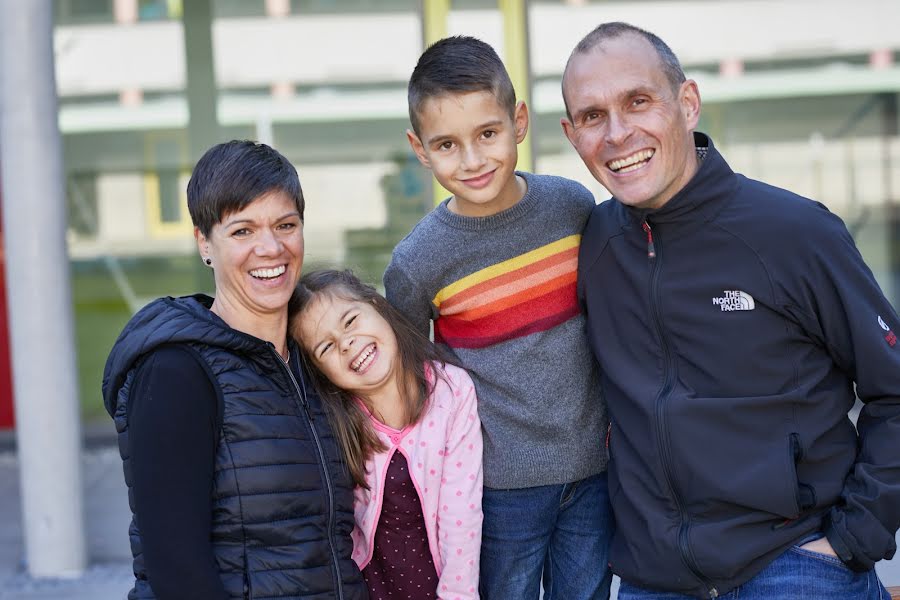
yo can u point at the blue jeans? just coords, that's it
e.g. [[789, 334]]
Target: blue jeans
[[560, 532], [797, 574]]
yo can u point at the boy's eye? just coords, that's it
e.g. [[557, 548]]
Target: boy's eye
[[489, 134], [446, 145]]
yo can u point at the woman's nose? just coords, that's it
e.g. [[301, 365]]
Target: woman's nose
[[269, 244]]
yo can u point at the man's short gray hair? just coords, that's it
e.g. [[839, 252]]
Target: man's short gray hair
[[607, 31]]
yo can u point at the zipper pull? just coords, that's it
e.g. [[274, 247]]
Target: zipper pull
[[651, 249]]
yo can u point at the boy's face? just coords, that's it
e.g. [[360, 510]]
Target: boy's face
[[469, 143]]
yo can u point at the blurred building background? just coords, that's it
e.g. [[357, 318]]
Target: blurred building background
[[802, 94]]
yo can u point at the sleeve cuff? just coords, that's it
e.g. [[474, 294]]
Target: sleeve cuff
[[843, 551]]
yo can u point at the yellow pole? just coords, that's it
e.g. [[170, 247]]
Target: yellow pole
[[434, 20], [434, 27], [515, 41]]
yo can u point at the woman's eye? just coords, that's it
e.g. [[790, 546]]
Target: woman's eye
[[287, 226]]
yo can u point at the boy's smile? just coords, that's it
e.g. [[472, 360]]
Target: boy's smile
[[469, 142]]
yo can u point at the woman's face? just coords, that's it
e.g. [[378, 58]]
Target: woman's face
[[257, 255], [351, 343]]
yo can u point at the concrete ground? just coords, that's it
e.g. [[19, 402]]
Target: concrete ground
[[107, 516]]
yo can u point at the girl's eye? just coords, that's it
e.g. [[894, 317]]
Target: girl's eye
[[324, 348], [350, 321]]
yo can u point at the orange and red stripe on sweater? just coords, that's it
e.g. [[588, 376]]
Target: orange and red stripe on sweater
[[532, 292]]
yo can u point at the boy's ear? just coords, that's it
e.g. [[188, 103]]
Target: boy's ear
[[520, 118], [418, 148]]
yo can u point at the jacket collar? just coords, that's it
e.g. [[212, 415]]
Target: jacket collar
[[701, 198]]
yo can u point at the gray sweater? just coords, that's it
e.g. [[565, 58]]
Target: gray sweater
[[501, 292]]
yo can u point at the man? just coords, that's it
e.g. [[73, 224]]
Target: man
[[731, 320]]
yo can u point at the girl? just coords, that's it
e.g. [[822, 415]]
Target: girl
[[408, 425]]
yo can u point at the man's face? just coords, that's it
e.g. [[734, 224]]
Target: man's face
[[631, 129]]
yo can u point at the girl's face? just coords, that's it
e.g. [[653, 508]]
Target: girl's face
[[352, 344]]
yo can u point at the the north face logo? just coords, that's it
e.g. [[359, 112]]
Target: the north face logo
[[734, 300]]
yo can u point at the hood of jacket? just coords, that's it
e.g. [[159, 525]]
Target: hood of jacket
[[169, 321]]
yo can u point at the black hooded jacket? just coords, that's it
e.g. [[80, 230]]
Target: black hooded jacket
[[282, 503], [729, 356]]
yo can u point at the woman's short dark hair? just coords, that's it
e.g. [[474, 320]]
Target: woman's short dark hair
[[458, 65], [230, 176]]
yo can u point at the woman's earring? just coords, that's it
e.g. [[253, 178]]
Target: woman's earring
[[208, 261]]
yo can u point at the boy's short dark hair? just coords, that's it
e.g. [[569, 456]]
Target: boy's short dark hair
[[458, 65], [231, 175]]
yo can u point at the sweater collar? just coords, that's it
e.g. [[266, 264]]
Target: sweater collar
[[701, 198], [514, 212]]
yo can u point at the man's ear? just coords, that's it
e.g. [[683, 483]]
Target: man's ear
[[520, 118], [568, 129], [689, 98], [418, 148]]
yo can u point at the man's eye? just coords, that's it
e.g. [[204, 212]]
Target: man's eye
[[638, 101]]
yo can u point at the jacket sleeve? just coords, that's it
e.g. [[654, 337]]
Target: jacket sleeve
[[407, 297], [842, 307], [459, 513]]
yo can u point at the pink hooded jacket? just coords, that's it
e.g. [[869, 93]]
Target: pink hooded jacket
[[443, 451]]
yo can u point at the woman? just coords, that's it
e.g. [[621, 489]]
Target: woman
[[235, 480]]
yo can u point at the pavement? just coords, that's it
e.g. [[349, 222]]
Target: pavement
[[109, 575]]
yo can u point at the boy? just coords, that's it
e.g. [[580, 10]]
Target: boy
[[494, 268]]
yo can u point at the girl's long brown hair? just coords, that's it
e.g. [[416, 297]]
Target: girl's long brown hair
[[350, 422]]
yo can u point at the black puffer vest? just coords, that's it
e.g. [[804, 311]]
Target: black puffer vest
[[282, 497]]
